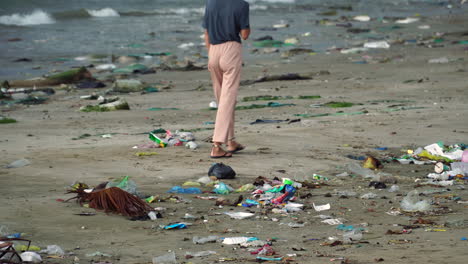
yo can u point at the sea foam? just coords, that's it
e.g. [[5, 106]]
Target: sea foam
[[105, 12], [37, 17]]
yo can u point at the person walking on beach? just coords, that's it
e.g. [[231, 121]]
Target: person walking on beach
[[225, 23]]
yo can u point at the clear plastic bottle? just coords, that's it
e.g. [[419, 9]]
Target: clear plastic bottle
[[352, 236], [168, 258]]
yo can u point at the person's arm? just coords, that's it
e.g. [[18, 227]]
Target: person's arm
[[245, 33], [244, 22], [207, 40]]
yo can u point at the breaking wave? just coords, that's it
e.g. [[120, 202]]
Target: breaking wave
[[105, 12], [37, 17], [167, 11], [86, 13], [258, 7]]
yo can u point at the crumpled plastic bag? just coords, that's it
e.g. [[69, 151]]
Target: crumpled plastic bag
[[221, 171], [222, 188], [411, 203], [125, 184]]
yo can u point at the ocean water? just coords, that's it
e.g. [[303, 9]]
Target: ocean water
[[52, 31]]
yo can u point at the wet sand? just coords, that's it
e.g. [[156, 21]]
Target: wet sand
[[437, 112]]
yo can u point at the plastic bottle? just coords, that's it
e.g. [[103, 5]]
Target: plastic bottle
[[191, 190], [169, 258], [352, 236]]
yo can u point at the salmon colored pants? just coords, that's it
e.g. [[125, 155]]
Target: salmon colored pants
[[224, 64]]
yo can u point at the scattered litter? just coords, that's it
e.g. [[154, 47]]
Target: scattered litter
[[191, 145], [439, 60], [53, 250], [394, 188], [332, 221], [29, 256], [320, 208], [352, 236], [377, 45], [178, 189], [408, 20], [412, 203], [239, 215], [204, 240], [362, 18], [145, 154], [199, 254], [369, 196], [175, 226], [168, 258], [98, 254], [238, 240], [222, 188], [18, 164]]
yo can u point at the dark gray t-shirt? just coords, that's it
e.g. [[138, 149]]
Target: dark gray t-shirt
[[224, 19]]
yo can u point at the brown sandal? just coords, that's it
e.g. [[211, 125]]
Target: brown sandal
[[226, 154], [239, 147]]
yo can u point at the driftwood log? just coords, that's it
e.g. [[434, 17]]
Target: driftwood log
[[285, 77], [67, 77]]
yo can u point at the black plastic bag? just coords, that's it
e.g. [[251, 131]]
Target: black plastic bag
[[221, 171]]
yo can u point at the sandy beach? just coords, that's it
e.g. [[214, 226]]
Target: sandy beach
[[400, 102]]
